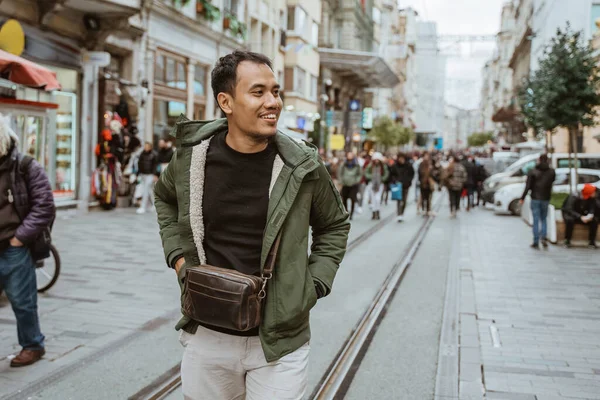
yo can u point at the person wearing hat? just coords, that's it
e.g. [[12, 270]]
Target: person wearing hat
[[376, 174], [581, 209]]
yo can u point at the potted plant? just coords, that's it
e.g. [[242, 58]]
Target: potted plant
[[242, 30], [208, 10]]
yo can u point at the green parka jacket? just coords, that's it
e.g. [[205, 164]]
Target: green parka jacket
[[301, 195]]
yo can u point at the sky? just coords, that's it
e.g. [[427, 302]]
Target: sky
[[465, 61]]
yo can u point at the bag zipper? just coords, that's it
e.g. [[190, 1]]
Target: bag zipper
[[11, 198]]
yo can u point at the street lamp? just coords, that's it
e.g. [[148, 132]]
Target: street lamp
[[324, 100]]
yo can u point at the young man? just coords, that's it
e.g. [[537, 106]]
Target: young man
[[232, 186], [26, 209], [350, 175], [539, 182], [582, 210]]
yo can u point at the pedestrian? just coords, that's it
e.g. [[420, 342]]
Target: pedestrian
[[582, 210], [402, 172], [350, 175], [390, 162], [148, 175], [482, 175], [165, 153], [454, 178], [240, 196], [471, 183], [362, 160], [416, 164], [376, 174], [26, 211], [426, 183], [539, 182]]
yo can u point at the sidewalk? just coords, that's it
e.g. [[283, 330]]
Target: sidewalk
[[529, 320]]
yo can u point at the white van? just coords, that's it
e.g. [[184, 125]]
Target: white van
[[517, 172]]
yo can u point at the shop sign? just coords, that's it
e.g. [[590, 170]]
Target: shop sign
[[367, 118], [96, 58], [354, 105], [12, 37], [336, 142]]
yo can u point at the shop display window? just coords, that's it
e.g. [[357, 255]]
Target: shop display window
[[165, 115], [65, 142]]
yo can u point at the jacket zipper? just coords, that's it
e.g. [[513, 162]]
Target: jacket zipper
[[11, 199]]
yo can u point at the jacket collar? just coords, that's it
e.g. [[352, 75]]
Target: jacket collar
[[191, 133]]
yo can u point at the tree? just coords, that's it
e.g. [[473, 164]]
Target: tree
[[385, 132], [405, 135], [479, 139], [565, 90]]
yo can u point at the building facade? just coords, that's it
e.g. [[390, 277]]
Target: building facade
[[348, 44], [430, 76]]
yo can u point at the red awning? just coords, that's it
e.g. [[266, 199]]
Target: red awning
[[24, 72]]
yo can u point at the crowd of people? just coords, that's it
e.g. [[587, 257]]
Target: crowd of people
[[369, 178]]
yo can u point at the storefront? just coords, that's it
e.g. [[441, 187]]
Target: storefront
[[178, 85], [40, 97]]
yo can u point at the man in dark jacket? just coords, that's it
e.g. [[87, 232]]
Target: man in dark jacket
[[26, 209], [471, 184], [148, 172], [539, 182], [402, 172], [165, 153], [582, 210]]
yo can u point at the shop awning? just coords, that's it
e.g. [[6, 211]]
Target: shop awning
[[19, 70], [364, 68]]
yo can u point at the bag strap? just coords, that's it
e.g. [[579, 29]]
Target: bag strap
[[268, 270]]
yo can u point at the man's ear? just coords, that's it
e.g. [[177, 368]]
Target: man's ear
[[225, 102]]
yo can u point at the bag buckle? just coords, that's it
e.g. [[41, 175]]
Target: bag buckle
[[263, 293]]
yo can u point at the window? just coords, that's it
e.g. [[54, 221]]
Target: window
[[376, 16], [595, 14], [200, 80], [231, 6], [159, 68], [315, 34], [170, 73], [588, 178], [313, 87], [297, 21], [300, 81]]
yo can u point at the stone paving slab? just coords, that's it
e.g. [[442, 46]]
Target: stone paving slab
[[113, 285], [544, 305]]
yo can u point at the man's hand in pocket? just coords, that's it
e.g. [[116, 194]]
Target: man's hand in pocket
[[178, 264]]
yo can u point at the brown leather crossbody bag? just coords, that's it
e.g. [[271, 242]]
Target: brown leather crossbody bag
[[225, 297]]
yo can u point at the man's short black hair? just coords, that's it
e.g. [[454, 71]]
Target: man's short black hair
[[544, 159], [224, 76]]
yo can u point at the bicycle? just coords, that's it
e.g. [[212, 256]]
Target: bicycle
[[47, 270], [44, 279]]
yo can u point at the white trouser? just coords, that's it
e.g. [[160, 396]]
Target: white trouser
[[375, 197], [217, 366], [147, 182]]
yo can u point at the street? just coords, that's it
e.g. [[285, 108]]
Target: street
[[109, 320]]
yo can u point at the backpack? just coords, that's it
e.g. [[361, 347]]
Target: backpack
[[40, 248]]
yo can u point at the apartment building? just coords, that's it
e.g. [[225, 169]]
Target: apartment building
[[348, 45]]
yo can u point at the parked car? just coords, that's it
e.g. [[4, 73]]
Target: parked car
[[517, 172], [506, 199]]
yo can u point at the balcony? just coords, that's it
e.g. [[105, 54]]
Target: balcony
[[364, 69], [104, 8]]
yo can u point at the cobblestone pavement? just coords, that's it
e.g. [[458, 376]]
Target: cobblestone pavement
[[529, 320]]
